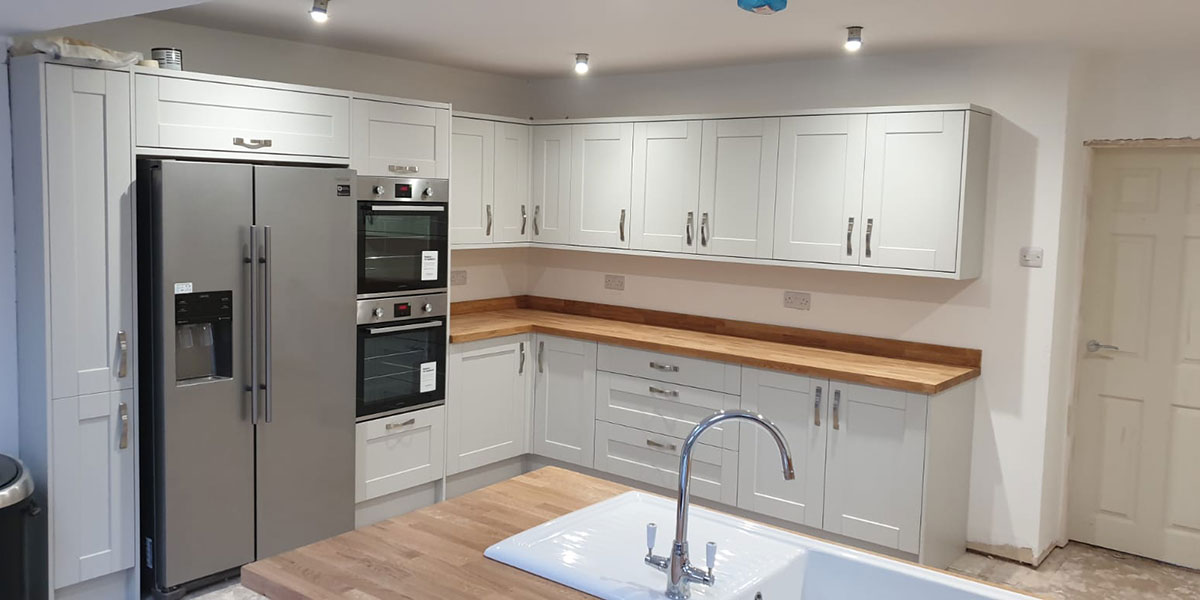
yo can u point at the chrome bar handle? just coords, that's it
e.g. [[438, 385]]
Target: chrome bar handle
[[541, 357], [537, 209], [661, 446], [1095, 346], [252, 144], [524, 218], [489, 219], [266, 259], [870, 225], [252, 261], [123, 415], [621, 225], [661, 367], [404, 169], [123, 360], [521, 365], [817, 408], [849, 236], [704, 229], [391, 426], [662, 392], [690, 217], [837, 404]]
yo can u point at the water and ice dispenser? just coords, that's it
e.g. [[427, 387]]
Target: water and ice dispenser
[[203, 336]]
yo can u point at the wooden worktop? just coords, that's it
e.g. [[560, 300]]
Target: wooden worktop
[[855, 359]]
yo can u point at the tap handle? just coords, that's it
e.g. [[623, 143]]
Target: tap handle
[[651, 530], [711, 555]]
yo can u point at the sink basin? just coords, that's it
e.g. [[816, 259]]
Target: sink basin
[[599, 550]]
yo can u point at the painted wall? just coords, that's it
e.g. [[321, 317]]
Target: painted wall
[[240, 55], [8, 291]]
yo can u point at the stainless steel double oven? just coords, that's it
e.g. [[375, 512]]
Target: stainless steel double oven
[[403, 310]]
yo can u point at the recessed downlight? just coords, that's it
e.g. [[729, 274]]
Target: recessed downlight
[[853, 38], [581, 63], [320, 11]]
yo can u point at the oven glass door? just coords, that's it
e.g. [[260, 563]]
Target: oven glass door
[[402, 247], [401, 366]]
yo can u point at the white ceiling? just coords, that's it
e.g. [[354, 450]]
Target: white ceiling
[[538, 38], [24, 16]]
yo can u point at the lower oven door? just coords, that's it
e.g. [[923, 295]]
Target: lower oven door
[[402, 248], [401, 367]]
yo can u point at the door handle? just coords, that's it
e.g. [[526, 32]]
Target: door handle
[[379, 330], [537, 209], [521, 365], [817, 408], [660, 445], [391, 426], [123, 360], [524, 218], [252, 261], [123, 415], [661, 367], [690, 217], [395, 208], [837, 405], [406, 169], [1094, 346], [489, 219], [870, 225], [266, 259], [662, 392], [621, 225], [252, 144], [704, 229], [849, 236], [541, 357]]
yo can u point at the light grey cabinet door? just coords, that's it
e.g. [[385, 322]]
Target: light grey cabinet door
[[513, 201], [551, 218], [564, 403], [488, 405], [472, 193], [305, 440]]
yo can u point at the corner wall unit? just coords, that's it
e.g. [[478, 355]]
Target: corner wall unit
[[897, 190]]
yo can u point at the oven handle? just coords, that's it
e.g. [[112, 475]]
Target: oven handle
[[379, 330], [397, 208]]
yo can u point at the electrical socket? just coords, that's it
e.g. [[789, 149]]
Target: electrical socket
[[1031, 256], [797, 300], [614, 282], [458, 277]]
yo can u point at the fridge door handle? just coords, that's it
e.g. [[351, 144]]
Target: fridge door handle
[[266, 261], [252, 262]]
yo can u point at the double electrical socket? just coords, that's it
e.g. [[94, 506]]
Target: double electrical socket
[[614, 282], [797, 300], [458, 277]]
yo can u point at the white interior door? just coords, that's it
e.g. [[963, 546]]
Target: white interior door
[[472, 192], [666, 185], [1135, 479], [737, 187], [601, 184]]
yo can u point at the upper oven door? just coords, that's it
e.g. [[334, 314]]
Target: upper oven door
[[402, 247], [401, 366]]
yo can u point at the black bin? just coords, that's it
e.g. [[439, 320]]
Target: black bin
[[16, 513]]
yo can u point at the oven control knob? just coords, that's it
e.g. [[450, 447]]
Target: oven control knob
[[378, 313], [379, 189], [428, 193], [427, 308]]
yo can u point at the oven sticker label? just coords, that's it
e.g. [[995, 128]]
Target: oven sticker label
[[183, 288], [429, 265], [428, 377]]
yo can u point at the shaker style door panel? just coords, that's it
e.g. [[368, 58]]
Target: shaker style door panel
[[601, 177], [551, 218], [396, 453], [819, 202], [400, 140], [512, 210], [912, 190], [654, 459], [564, 418], [89, 187], [472, 192], [664, 408], [875, 465], [666, 186], [737, 187], [488, 402]]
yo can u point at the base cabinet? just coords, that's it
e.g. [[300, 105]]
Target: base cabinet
[[654, 459], [396, 453], [488, 402], [564, 419]]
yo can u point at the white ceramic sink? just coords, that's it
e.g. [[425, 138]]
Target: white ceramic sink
[[599, 550]]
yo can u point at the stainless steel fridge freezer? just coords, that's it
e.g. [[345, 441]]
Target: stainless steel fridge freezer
[[247, 307]]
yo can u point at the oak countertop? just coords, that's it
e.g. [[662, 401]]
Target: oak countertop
[[895, 373]]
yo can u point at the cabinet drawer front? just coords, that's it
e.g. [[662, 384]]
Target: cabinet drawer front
[[399, 452], [663, 408], [694, 372], [400, 140], [205, 115], [654, 459]]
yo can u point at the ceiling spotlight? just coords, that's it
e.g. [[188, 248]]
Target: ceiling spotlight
[[581, 63], [853, 38], [320, 11]]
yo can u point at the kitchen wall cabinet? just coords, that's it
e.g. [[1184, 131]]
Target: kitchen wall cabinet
[[799, 406], [601, 175], [399, 452], [551, 219], [874, 467], [564, 420], [666, 186], [488, 405], [472, 193], [737, 187], [818, 212], [392, 139], [512, 198]]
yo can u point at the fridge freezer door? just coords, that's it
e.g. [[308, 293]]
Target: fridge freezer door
[[203, 436], [305, 452]]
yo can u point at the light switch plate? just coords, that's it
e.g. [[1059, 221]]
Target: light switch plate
[[797, 300], [614, 282], [458, 277], [1031, 256]]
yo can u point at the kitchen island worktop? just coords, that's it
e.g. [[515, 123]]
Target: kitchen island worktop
[[912, 367]]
